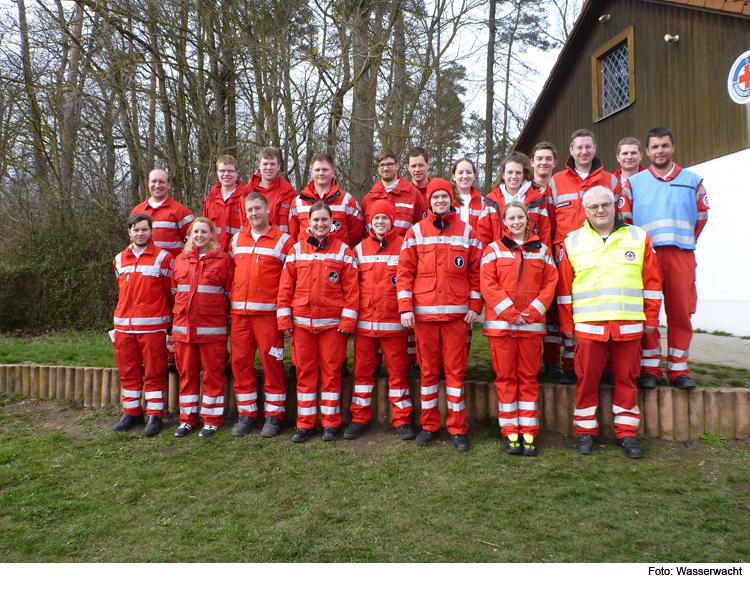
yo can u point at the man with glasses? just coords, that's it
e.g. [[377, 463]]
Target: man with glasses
[[224, 205], [405, 198], [609, 296]]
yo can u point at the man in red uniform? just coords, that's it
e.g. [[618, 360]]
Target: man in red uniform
[[609, 293], [438, 296], [379, 325], [259, 254], [543, 161], [142, 316], [348, 224], [224, 204], [670, 203], [418, 163], [583, 171], [629, 156], [274, 187]]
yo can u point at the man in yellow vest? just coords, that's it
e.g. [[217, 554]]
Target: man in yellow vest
[[609, 294]]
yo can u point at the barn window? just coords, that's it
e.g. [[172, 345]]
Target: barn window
[[613, 84]]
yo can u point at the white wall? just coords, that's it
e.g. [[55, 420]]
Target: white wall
[[723, 250]]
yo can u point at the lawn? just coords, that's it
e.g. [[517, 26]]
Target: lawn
[[72, 491]]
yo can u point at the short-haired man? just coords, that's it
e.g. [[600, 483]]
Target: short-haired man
[[224, 205], [348, 223], [259, 253], [418, 163], [629, 156], [438, 296], [405, 197], [670, 203], [583, 170], [609, 293], [171, 219], [543, 161], [142, 317], [276, 189]]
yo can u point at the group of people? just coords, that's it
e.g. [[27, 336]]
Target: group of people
[[572, 268]]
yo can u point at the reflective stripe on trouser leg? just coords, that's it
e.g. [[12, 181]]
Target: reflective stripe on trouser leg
[[129, 360], [396, 361], [504, 359], [189, 367], [591, 356], [213, 358], [412, 348], [428, 354], [365, 362], [680, 298], [305, 356], [244, 346], [332, 346], [568, 354], [651, 354], [268, 336], [626, 366], [154, 352]]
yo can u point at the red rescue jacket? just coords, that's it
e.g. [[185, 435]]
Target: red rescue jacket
[[171, 223], [475, 208], [491, 227], [228, 216], [406, 200], [280, 196], [348, 223]]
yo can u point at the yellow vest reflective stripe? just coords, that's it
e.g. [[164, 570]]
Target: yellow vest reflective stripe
[[608, 276]]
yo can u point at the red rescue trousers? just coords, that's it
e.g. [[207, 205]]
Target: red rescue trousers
[[190, 357], [251, 333], [591, 358], [133, 352], [680, 299], [443, 344], [365, 362], [329, 348], [516, 363]]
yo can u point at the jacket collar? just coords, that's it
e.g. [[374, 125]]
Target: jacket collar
[[441, 223], [596, 165]]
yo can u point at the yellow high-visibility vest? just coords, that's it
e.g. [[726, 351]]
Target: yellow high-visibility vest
[[608, 276]]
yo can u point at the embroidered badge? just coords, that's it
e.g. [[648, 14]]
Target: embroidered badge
[[621, 202], [459, 262], [333, 277], [561, 255], [705, 200], [336, 225], [393, 280], [629, 255]]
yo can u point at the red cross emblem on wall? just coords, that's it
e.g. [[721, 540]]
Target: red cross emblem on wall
[[744, 78]]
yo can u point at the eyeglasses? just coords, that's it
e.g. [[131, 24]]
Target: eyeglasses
[[604, 206], [386, 164], [224, 171]]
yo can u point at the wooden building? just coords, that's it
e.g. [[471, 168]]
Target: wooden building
[[631, 65]]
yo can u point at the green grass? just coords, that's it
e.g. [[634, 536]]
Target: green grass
[[92, 496], [712, 439], [721, 333], [83, 349]]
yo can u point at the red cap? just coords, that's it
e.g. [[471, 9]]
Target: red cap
[[437, 185], [383, 206]]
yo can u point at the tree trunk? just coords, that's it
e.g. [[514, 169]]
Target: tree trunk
[[489, 136]]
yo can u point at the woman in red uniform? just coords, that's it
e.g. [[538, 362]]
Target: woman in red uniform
[[317, 307], [516, 184], [467, 199], [201, 281], [518, 280]]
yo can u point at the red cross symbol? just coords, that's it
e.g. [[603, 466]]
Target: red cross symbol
[[744, 77]]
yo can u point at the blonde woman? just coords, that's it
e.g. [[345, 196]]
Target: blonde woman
[[201, 281]]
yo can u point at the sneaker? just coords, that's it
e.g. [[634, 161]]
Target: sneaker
[[649, 381], [301, 435], [630, 446], [460, 443], [586, 444], [512, 445], [684, 382], [271, 428], [569, 378], [608, 378], [425, 438], [355, 430], [527, 445], [406, 432], [208, 430], [127, 422], [330, 434], [553, 370], [243, 426], [183, 430], [153, 427]]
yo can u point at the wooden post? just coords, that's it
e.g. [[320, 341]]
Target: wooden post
[[726, 410], [18, 385], [711, 410], [480, 401], [550, 401], [43, 382], [3, 379], [96, 398], [173, 389], [115, 389], [442, 403], [681, 415], [607, 422], [26, 381], [70, 383], [381, 404], [695, 404], [52, 392], [106, 400], [60, 390], [88, 387], [651, 412], [742, 414], [666, 414], [78, 387]]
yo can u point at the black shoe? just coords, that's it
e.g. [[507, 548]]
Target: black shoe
[[649, 381], [527, 445], [460, 443], [153, 427], [171, 365], [630, 447], [355, 430], [586, 444], [344, 371], [208, 431], [553, 370], [405, 432], [330, 434], [301, 435], [243, 426], [684, 382], [608, 378], [182, 430], [512, 446], [271, 428], [127, 422], [569, 378], [663, 381], [425, 438]]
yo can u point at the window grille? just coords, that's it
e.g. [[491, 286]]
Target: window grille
[[615, 81]]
